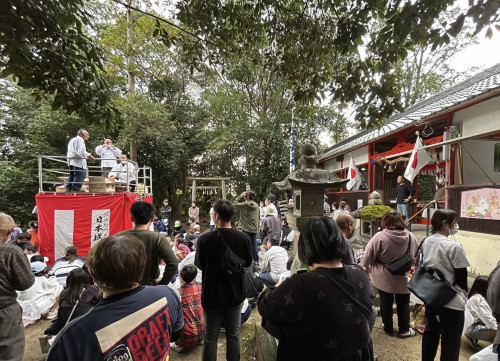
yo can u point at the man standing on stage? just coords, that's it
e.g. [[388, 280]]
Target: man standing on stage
[[77, 161], [108, 152]]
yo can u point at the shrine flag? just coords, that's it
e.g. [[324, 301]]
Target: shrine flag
[[419, 159], [354, 176]]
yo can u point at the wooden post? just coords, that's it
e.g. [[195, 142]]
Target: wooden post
[[193, 192], [223, 186]]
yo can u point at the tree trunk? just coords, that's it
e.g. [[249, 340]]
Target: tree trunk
[[131, 73]]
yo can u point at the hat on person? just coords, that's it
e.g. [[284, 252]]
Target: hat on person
[[271, 197], [165, 200], [38, 266], [270, 209], [177, 224], [196, 226]]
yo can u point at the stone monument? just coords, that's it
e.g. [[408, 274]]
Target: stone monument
[[308, 184]]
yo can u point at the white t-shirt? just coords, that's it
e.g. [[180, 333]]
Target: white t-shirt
[[445, 254], [275, 261]]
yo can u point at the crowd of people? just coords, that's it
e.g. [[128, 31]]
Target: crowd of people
[[115, 299]]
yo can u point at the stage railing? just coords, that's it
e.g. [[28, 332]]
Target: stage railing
[[53, 172]]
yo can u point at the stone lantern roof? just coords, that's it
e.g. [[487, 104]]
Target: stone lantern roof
[[308, 176]]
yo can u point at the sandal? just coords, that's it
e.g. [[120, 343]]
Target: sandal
[[411, 333]]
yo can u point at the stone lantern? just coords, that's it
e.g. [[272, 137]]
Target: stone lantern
[[308, 184]]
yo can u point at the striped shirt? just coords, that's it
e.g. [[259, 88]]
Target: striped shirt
[[62, 267]]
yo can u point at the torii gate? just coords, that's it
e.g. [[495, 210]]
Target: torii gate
[[223, 181]]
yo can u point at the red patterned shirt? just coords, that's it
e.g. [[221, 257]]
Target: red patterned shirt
[[193, 315]]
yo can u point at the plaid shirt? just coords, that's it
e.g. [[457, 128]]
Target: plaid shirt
[[193, 315], [16, 274]]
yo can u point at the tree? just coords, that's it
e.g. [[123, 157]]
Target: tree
[[27, 130], [314, 46], [44, 47], [425, 72]]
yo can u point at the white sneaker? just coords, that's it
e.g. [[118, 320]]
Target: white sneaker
[[51, 315], [176, 347]]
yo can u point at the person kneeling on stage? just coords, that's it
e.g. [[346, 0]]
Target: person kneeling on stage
[[125, 172], [131, 322]]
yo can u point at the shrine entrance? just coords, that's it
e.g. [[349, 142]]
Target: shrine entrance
[[195, 185]]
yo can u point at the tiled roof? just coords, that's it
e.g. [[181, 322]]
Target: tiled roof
[[473, 87]]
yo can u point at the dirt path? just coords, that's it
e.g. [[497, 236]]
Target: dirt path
[[387, 348]]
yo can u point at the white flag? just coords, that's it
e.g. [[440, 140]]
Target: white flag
[[354, 176], [419, 159]]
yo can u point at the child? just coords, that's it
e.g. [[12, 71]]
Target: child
[[479, 321], [191, 307]]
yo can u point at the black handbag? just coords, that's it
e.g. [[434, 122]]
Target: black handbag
[[402, 265], [435, 292], [230, 263]]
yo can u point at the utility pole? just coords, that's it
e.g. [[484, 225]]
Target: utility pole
[[131, 72]]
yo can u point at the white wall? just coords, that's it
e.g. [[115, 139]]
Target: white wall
[[360, 156], [480, 118], [482, 151]]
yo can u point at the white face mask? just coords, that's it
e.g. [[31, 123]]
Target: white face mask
[[123, 162], [455, 229]]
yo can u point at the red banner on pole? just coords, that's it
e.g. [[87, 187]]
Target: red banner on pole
[[81, 220]]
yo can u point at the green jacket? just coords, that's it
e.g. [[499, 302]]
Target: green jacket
[[157, 247], [249, 215]]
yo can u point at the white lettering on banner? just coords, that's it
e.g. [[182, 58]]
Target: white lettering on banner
[[100, 225], [63, 231]]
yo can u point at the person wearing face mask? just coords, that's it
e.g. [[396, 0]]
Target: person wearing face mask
[[446, 322], [125, 172], [386, 247], [16, 276], [108, 152], [346, 225]]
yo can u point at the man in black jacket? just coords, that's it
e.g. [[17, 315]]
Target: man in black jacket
[[404, 195], [222, 294]]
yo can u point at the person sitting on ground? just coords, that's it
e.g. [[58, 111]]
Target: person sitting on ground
[[479, 321], [190, 293], [33, 231], [189, 259], [64, 265], [193, 237], [181, 250], [270, 226], [287, 235], [22, 240], [178, 229], [274, 263], [30, 251], [306, 305], [131, 322], [41, 299], [79, 289]]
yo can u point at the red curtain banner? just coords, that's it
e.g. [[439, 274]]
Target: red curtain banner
[[81, 220]]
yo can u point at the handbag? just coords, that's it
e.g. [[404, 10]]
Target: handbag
[[435, 292], [402, 265], [230, 263], [46, 341]]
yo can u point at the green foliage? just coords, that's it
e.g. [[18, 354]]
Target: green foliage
[[315, 46], [44, 47], [373, 212], [28, 129]]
